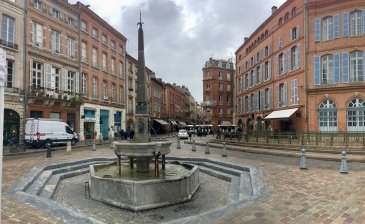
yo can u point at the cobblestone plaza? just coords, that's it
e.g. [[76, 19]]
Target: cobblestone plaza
[[317, 195]]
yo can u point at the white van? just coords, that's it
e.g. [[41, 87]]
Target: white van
[[40, 132]]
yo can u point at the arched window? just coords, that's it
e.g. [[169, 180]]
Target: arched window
[[327, 116], [266, 33], [280, 21], [286, 17], [356, 66], [327, 69], [294, 11], [356, 115], [356, 23]]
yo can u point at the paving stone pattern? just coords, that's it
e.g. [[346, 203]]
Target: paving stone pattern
[[317, 195]]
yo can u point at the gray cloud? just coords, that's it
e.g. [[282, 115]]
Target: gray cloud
[[177, 53]]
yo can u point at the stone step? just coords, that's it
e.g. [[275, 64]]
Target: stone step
[[52, 183], [36, 187], [221, 168]]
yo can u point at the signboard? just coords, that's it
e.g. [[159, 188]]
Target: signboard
[[2, 67]]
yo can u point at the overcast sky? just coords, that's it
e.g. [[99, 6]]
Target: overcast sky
[[181, 35]]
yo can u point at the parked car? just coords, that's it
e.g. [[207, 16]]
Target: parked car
[[183, 134], [42, 132]]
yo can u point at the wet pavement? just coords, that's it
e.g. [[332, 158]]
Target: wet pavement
[[319, 194]]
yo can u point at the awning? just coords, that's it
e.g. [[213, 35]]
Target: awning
[[225, 123], [281, 114], [161, 121], [182, 123], [173, 122]]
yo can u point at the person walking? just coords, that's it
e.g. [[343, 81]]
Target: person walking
[[189, 133], [131, 134]]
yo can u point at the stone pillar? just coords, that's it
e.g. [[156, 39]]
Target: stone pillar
[[343, 168], [143, 164], [303, 160]]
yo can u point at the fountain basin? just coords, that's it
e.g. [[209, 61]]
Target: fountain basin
[[143, 194], [135, 150]]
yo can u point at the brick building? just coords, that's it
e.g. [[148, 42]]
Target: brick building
[[218, 76], [52, 66], [102, 72], [12, 42], [175, 103]]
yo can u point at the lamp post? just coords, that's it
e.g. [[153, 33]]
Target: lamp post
[[2, 84]]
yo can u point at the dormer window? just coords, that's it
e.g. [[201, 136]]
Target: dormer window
[[55, 13], [37, 4]]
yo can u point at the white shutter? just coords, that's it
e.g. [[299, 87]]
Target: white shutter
[[269, 70], [64, 79], [285, 94], [277, 95], [77, 82], [48, 76], [284, 63]]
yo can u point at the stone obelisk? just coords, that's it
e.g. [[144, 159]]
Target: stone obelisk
[[142, 115]]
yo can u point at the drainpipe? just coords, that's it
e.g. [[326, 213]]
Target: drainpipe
[[81, 135], [306, 52], [25, 97]]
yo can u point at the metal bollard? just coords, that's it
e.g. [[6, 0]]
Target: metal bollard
[[224, 151], [207, 148], [68, 148], [94, 145], [193, 147], [178, 144], [303, 160], [343, 168], [49, 152], [111, 146]]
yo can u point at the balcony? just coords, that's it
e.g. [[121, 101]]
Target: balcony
[[11, 90], [8, 44]]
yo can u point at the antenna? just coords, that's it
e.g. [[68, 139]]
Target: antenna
[[140, 19]]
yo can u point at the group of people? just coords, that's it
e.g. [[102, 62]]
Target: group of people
[[124, 135]]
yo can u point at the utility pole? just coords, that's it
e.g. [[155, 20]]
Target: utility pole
[[2, 84]]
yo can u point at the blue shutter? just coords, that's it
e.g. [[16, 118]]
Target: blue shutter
[[277, 95], [336, 69], [284, 63], [317, 70], [285, 94], [345, 67], [289, 60], [317, 29], [336, 26], [299, 55], [363, 25], [345, 24], [270, 98]]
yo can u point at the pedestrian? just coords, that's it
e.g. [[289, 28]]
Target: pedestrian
[[189, 133], [131, 134]]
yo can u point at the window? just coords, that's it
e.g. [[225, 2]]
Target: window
[[95, 88], [267, 98], [294, 11], [37, 35], [105, 92], [113, 66], [71, 49], [228, 99], [220, 86], [70, 21], [95, 57], [83, 26], [267, 70], [282, 95], [8, 29], [121, 94], [121, 70], [83, 52], [84, 84], [246, 104], [327, 116], [294, 53], [294, 91], [286, 17], [228, 87], [207, 87], [37, 69], [70, 81], [104, 62], [55, 13], [95, 33], [220, 76], [266, 51], [121, 49], [327, 69], [55, 41], [280, 21], [240, 84], [356, 66], [104, 39], [258, 57], [282, 64], [356, 25], [220, 99], [228, 77], [294, 33], [37, 4], [53, 79], [280, 41], [247, 81], [112, 45], [9, 82], [356, 115], [327, 28], [252, 78]]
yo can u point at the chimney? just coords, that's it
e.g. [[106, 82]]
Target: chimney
[[245, 39], [273, 9]]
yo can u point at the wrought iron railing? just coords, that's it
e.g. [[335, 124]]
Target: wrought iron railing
[[8, 44]]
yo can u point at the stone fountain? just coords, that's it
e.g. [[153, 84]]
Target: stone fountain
[[140, 185]]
